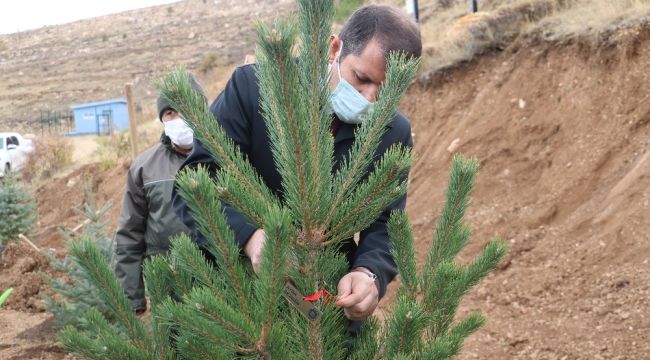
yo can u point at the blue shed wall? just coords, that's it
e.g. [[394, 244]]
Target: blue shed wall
[[85, 116]]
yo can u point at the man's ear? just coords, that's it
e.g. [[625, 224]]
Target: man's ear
[[335, 46]]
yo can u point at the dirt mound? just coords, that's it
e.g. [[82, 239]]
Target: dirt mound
[[58, 199], [562, 132], [21, 267], [26, 332], [20, 264]]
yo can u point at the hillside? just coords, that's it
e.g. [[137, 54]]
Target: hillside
[[89, 60], [562, 132], [560, 125]]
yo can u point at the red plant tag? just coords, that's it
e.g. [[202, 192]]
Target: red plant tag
[[322, 293]]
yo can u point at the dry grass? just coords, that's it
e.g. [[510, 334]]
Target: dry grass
[[51, 154], [112, 148], [592, 18], [451, 34]]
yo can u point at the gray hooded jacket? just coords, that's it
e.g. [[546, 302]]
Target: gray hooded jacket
[[147, 220]]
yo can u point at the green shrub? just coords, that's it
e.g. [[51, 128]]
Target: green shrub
[[17, 209]]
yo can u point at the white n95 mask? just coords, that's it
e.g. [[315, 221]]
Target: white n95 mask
[[179, 133]]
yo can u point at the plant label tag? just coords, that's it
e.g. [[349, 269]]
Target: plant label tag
[[295, 298]]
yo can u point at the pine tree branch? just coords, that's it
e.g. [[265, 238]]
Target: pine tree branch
[[485, 263], [96, 267], [279, 82], [405, 327], [470, 324], [176, 88], [315, 24], [399, 73], [366, 344], [201, 195], [450, 225], [383, 187], [315, 345], [444, 278], [158, 277], [226, 195], [399, 231], [81, 344], [279, 231], [207, 316]]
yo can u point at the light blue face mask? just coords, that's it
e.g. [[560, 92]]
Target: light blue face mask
[[347, 103]]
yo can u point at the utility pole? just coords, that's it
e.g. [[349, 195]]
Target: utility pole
[[133, 124], [412, 9]]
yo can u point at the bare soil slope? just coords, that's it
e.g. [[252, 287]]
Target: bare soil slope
[[562, 132], [91, 60]]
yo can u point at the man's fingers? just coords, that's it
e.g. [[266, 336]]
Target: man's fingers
[[350, 300], [256, 263], [253, 248], [351, 292], [366, 305], [345, 286]]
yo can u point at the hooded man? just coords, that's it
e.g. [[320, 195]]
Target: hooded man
[[147, 220]]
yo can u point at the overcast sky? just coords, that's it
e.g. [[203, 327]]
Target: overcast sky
[[20, 15]]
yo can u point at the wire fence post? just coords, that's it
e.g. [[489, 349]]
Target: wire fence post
[[413, 9], [132, 121]]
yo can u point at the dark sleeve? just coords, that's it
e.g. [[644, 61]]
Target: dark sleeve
[[374, 245], [233, 109], [130, 245]]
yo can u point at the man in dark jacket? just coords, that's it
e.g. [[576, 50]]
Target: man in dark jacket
[[358, 67], [147, 220]]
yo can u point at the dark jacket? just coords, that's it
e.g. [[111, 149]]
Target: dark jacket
[[237, 110], [147, 219]]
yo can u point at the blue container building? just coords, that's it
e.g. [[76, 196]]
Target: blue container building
[[101, 117]]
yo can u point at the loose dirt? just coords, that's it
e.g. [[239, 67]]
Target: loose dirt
[[562, 133]]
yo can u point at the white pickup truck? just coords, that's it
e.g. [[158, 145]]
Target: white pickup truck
[[13, 151]]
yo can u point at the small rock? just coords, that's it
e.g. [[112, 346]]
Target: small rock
[[522, 104], [72, 182], [625, 315], [453, 146], [191, 36], [37, 304], [621, 283], [26, 265]]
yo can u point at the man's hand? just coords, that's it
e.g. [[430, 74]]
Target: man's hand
[[358, 295], [253, 248]]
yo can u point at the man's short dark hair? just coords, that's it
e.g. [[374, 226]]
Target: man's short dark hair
[[393, 29]]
